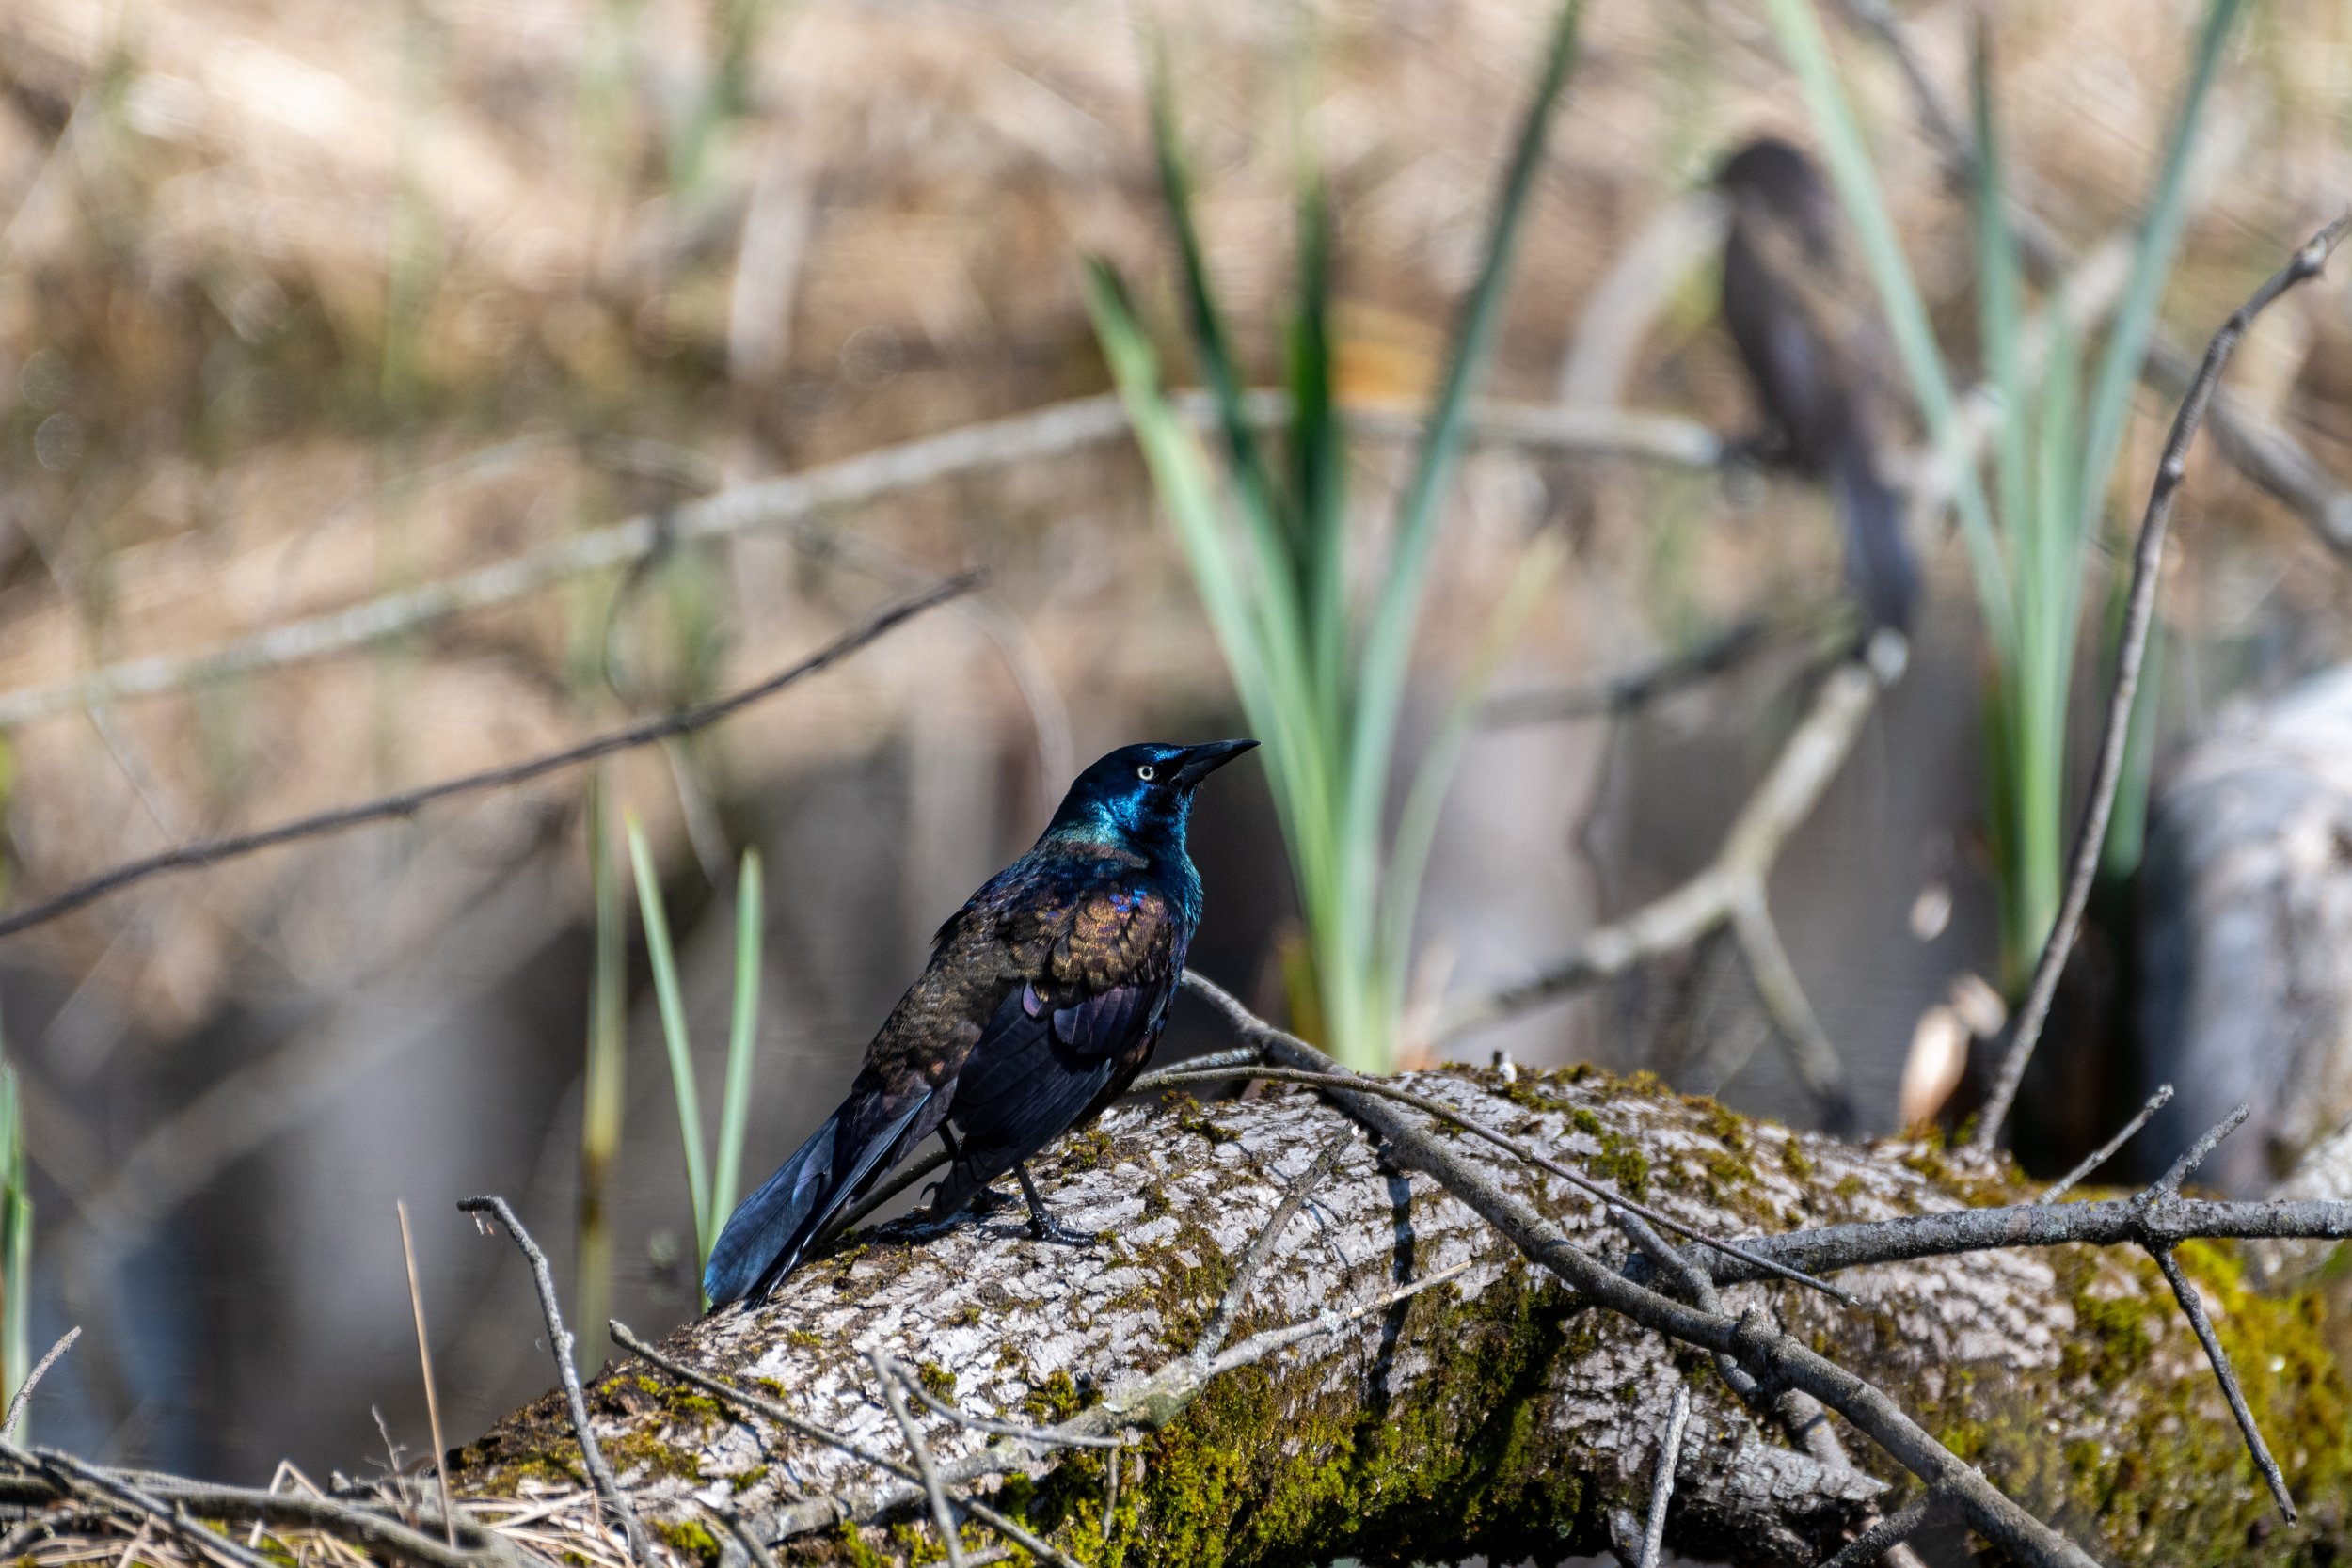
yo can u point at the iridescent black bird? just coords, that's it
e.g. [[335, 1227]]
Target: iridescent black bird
[[1044, 998], [1804, 329]]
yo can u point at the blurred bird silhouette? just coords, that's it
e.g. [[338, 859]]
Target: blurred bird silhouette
[[1805, 329], [1043, 999]]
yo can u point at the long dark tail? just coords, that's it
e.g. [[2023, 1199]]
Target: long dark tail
[[1878, 566], [769, 1231]]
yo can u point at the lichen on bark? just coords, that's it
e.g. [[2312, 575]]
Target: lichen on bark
[[1494, 1415]]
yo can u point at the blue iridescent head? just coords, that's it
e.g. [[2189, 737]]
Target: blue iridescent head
[[1141, 794]]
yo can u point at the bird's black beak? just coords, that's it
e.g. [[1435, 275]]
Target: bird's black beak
[[1200, 761]]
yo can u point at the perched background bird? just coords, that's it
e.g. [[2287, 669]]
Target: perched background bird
[[1044, 998], [1800, 317]]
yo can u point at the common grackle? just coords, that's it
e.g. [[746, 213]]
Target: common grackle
[[1043, 999], [1801, 322]]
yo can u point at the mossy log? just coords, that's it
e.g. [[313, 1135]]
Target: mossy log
[[1496, 1415]]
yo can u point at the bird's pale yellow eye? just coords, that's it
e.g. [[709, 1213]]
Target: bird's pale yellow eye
[[1147, 772]]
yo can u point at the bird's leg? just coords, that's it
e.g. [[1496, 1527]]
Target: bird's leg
[[1042, 1225]]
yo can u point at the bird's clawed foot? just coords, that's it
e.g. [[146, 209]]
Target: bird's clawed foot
[[1042, 1225]]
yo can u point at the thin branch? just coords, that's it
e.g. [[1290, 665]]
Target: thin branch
[[1661, 1486], [1773, 1356], [2132, 648], [1884, 1537], [1622, 694], [575, 1403], [2194, 1305], [1733, 881], [1294, 1198], [796, 499], [408, 803], [2107, 1151], [2198, 1152], [88, 1481], [1607, 1196], [23, 1395], [432, 1395], [942, 1519]]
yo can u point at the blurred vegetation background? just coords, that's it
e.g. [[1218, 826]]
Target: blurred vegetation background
[[305, 305]]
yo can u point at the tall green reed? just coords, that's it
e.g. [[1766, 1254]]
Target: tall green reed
[[1321, 677], [712, 1199], [604, 1081], [2031, 544], [16, 1243]]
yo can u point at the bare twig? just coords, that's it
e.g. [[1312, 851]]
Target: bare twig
[[2194, 1305], [23, 1395], [424, 1362], [2198, 1152], [2107, 1151], [575, 1403], [1294, 1198], [1885, 1537], [408, 803], [1622, 694], [1439, 1108], [2131, 651], [943, 1518], [1661, 1486], [88, 1481], [1731, 888]]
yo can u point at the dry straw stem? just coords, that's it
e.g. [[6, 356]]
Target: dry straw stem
[[2131, 654], [2260, 450], [1732, 888], [408, 803], [797, 500], [575, 1403]]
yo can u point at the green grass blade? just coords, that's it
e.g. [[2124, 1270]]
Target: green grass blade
[[735, 1106], [1999, 305], [1319, 464], [1416, 829], [672, 1003], [604, 1079], [1389, 640], [1849, 159], [1277, 709], [1210, 340], [2135, 320]]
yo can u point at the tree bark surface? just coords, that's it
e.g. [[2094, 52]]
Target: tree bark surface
[[1494, 1415]]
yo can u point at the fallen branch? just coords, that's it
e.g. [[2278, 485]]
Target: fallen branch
[[1731, 890]]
